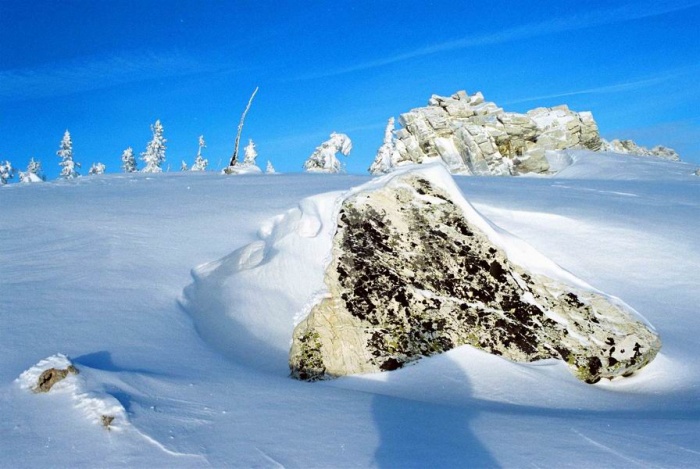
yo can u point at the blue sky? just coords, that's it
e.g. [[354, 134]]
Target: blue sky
[[107, 70]]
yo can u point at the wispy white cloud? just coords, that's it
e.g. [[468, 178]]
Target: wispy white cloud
[[679, 75], [93, 73], [628, 12], [614, 88]]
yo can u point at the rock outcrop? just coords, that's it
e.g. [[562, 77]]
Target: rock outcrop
[[631, 148], [415, 272], [474, 136]]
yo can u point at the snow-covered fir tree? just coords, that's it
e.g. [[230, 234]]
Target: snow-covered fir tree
[[387, 154], [7, 172], [154, 156], [129, 161], [65, 152], [269, 169], [324, 160], [33, 172], [183, 166], [200, 163], [250, 154], [97, 168]]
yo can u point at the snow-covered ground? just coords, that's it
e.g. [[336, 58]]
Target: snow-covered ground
[[99, 269]]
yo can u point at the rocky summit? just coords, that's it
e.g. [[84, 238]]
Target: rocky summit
[[473, 136], [476, 137], [413, 275]]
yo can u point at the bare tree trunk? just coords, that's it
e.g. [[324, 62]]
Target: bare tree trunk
[[234, 157]]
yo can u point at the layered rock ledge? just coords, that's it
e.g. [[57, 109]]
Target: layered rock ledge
[[416, 271], [473, 136]]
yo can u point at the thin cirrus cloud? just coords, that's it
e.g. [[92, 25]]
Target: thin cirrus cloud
[[681, 75], [614, 88], [627, 12], [92, 74]]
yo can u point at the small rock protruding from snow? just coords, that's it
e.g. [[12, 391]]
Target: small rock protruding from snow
[[57, 373], [45, 374], [415, 271], [52, 376]]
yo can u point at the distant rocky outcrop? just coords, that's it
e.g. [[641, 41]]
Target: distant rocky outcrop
[[415, 273], [473, 136], [631, 148]]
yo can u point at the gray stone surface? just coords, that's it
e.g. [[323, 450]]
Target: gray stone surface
[[411, 276]]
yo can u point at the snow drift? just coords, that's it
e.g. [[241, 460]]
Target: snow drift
[[248, 303]]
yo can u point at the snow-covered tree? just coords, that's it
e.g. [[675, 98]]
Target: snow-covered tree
[[129, 161], [250, 153], [387, 154], [200, 163], [183, 166], [234, 157], [324, 160], [154, 156], [97, 168], [7, 172], [270, 169], [33, 172], [65, 152]]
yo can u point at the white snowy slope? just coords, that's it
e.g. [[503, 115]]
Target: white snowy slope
[[99, 268]]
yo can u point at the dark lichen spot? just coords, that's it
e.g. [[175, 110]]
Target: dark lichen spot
[[391, 364]]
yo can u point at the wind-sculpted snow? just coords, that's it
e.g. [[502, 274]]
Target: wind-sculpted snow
[[465, 282], [245, 304], [99, 407], [92, 267]]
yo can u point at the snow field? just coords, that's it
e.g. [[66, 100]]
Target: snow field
[[93, 268]]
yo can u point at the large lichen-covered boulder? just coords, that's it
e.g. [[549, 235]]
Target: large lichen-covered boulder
[[416, 271]]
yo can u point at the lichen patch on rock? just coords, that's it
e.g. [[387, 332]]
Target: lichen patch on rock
[[410, 277]]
